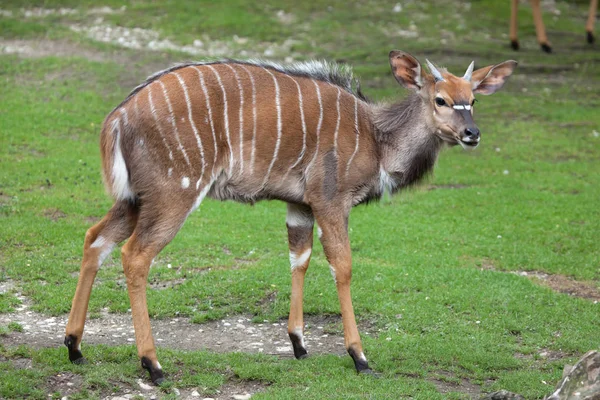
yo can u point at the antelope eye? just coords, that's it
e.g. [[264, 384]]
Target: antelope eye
[[440, 102]]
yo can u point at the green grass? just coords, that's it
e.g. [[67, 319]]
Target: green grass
[[526, 200]]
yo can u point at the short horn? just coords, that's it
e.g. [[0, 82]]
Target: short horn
[[436, 74], [467, 76]]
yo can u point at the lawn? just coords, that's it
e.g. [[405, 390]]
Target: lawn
[[485, 277]]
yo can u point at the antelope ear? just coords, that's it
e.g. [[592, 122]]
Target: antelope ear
[[488, 80], [407, 70]]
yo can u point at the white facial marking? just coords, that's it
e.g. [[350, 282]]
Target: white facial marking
[[278, 142], [241, 116], [253, 153], [357, 133], [158, 126], [173, 124], [185, 182], [458, 107], [120, 183], [225, 116], [332, 270], [191, 119], [299, 260], [210, 117]]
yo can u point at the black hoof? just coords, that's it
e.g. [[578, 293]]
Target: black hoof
[[546, 48], [514, 44], [590, 37], [360, 362], [75, 355], [299, 350], [156, 374]]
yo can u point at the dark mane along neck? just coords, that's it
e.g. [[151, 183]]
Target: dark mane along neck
[[408, 146]]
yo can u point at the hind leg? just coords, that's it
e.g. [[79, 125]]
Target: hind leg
[[116, 226]]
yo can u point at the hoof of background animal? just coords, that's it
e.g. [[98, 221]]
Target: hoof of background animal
[[546, 48], [514, 44], [590, 37], [75, 355], [156, 374]]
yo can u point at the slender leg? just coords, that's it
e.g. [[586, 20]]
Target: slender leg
[[299, 223], [156, 227], [336, 245], [540, 30], [514, 40], [100, 240], [589, 26]]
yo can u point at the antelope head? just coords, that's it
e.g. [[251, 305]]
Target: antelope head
[[450, 99]]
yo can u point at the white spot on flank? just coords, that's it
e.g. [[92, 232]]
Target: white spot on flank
[[299, 260], [253, 152], [278, 143], [319, 232], [141, 142], [210, 117], [189, 108], [170, 172], [225, 116], [173, 123], [185, 182]]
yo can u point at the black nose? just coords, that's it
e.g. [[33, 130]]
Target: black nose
[[472, 133]]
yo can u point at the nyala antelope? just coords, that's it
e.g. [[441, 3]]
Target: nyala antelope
[[250, 131], [540, 30]]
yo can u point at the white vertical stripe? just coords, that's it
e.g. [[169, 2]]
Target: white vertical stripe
[[318, 124], [158, 126], [252, 154], [337, 125], [192, 123], [278, 143], [301, 106], [356, 131], [136, 109], [210, 117], [124, 114], [173, 123], [120, 175], [241, 89], [225, 115]]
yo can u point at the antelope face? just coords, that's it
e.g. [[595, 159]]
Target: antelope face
[[450, 99]]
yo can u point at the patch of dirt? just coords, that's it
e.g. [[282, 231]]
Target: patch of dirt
[[564, 284], [65, 383], [446, 382], [54, 214]]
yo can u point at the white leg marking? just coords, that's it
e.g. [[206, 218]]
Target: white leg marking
[[356, 131], [298, 218], [105, 247], [337, 125], [332, 270], [299, 260], [241, 117], [185, 182], [225, 116], [192, 123], [298, 332], [99, 242], [319, 232], [120, 183], [210, 117], [301, 106], [158, 126], [253, 152], [173, 123], [318, 124], [158, 365], [278, 143]]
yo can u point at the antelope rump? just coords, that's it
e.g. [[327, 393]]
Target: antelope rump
[[249, 131]]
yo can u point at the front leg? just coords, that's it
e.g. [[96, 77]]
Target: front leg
[[336, 244]]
